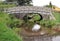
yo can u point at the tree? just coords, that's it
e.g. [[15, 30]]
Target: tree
[[24, 2], [21, 2]]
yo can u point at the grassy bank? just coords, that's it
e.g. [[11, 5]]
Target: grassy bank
[[7, 34], [57, 16]]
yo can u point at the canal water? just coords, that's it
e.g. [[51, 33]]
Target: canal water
[[56, 38], [34, 37], [30, 37]]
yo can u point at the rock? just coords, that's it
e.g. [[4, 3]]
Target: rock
[[36, 28]]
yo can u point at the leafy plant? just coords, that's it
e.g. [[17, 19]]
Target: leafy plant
[[47, 23], [36, 17]]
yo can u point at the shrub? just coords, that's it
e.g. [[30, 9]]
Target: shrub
[[14, 22], [36, 17], [47, 23]]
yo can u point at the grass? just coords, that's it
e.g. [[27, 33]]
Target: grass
[[7, 34], [7, 6], [36, 17], [4, 5], [57, 16]]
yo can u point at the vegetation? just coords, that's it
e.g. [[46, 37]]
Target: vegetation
[[7, 6], [36, 17], [57, 16], [9, 24], [14, 22], [47, 23], [4, 5], [21, 2], [24, 2], [32, 17], [7, 34]]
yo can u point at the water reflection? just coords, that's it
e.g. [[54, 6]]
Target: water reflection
[[50, 38], [42, 38]]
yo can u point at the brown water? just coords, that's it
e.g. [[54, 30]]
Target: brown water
[[37, 37], [34, 37]]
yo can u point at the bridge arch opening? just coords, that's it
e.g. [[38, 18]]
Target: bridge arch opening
[[31, 15]]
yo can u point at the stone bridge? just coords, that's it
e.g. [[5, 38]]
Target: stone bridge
[[21, 11]]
